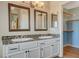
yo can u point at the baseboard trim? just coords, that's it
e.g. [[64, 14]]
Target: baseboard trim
[[67, 45], [75, 46], [71, 45]]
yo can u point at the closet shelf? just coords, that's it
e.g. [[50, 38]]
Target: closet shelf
[[71, 20], [67, 14], [68, 30]]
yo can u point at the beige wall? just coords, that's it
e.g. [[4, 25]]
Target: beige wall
[[4, 31], [58, 9], [4, 21]]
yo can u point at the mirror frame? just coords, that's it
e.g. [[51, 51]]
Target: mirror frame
[[35, 21], [52, 26], [9, 10]]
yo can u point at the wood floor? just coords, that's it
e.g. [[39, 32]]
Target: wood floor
[[71, 52]]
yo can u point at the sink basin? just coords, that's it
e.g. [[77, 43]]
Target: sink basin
[[42, 37], [22, 39]]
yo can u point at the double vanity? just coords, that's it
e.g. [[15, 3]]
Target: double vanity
[[24, 20], [36, 46], [30, 46]]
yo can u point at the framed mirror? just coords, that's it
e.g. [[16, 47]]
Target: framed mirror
[[19, 18], [54, 21], [40, 20]]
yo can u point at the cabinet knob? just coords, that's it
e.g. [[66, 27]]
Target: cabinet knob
[[26, 51], [41, 49], [52, 45], [42, 43]]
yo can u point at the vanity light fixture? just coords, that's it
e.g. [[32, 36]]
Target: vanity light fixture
[[37, 4]]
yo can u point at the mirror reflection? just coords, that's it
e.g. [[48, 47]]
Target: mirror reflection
[[19, 18], [40, 20], [54, 21]]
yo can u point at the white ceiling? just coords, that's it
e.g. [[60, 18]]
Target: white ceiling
[[67, 4], [59, 2], [72, 4]]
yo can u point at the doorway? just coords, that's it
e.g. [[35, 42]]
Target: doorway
[[71, 33]]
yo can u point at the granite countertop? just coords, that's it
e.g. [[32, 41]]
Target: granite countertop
[[8, 39], [30, 40]]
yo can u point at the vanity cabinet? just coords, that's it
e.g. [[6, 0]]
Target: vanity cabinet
[[34, 49], [30, 53], [22, 50], [48, 48]]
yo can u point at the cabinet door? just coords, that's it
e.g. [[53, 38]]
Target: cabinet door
[[47, 52], [34, 53], [55, 49], [18, 55]]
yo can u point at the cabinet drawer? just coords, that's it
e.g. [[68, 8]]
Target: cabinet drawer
[[54, 41], [44, 43], [18, 55], [41, 43], [12, 48], [28, 45], [48, 42]]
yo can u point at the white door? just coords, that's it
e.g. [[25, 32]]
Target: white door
[[34, 53], [18, 55], [47, 52]]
